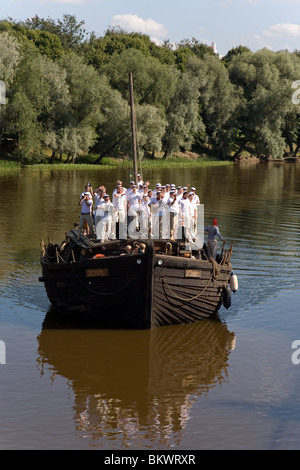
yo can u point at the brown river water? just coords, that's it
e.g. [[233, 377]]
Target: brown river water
[[231, 383]]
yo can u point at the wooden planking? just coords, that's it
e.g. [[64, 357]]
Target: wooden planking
[[168, 309], [202, 306], [176, 297], [192, 284], [180, 274], [207, 287], [211, 301]]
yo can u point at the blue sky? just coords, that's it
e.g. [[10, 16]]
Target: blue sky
[[254, 23]]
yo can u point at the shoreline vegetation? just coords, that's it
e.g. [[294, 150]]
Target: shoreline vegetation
[[64, 99], [8, 165], [106, 163]]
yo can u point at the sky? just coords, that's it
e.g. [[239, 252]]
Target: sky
[[229, 23]]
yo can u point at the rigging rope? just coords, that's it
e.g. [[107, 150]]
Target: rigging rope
[[214, 275], [190, 298]]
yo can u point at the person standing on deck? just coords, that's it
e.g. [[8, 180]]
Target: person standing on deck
[[156, 204], [179, 193], [119, 183], [196, 197], [104, 226], [145, 214], [140, 182], [185, 217], [173, 209], [86, 204], [213, 233], [120, 213], [193, 215], [134, 200]]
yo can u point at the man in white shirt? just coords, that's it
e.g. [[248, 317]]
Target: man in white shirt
[[196, 197], [129, 190], [119, 183], [133, 205], [157, 207], [173, 208], [119, 216], [167, 192], [185, 215], [193, 214], [145, 216], [103, 228], [99, 201], [140, 182], [158, 188], [143, 190], [179, 193]]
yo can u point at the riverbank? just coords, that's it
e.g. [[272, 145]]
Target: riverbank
[[147, 164], [10, 165]]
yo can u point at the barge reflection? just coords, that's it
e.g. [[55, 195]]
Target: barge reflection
[[136, 384]]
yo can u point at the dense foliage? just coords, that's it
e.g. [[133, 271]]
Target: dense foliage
[[66, 94]]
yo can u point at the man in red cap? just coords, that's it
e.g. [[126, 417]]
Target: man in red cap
[[213, 233]]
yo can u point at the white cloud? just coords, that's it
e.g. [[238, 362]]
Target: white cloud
[[133, 23], [283, 29]]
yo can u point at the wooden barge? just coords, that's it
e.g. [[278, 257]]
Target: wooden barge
[[160, 284], [157, 283]]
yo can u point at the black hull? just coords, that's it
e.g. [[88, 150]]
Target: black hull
[[138, 291]]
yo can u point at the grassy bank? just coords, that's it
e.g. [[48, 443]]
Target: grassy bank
[[9, 165], [6, 165]]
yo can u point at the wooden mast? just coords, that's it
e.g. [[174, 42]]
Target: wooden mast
[[135, 169]]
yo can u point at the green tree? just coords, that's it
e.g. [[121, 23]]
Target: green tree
[[184, 121], [81, 114], [29, 101], [154, 83], [187, 48], [46, 42], [9, 57], [115, 129], [68, 30], [84, 86], [234, 52], [151, 126], [23, 124], [265, 79], [98, 51], [219, 102]]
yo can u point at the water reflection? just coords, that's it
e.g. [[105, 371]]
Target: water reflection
[[129, 385], [136, 384]]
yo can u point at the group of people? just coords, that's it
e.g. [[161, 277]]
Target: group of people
[[167, 211], [156, 213]]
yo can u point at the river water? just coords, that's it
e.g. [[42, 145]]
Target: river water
[[226, 384]]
